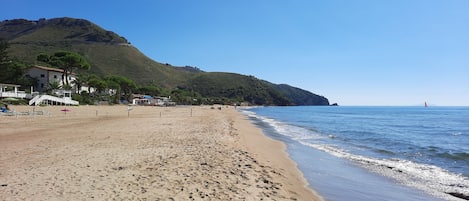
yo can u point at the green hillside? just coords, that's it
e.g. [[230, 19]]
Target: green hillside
[[110, 54], [237, 87], [107, 52]]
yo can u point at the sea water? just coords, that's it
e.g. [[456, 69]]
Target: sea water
[[375, 153]]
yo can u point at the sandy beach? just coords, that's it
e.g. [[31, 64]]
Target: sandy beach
[[147, 153]]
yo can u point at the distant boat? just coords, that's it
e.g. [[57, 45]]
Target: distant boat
[[426, 104]]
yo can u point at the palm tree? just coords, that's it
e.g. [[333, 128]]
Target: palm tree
[[53, 86]]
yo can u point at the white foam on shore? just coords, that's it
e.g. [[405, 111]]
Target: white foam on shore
[[293, 132], [429, 178]]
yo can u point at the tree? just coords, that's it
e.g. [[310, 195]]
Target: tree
[[97, 83], [112, 85], [67, 61], [125, 85], [53, 86], [80, 80], [11, 70], [149, 89], [3, 51]]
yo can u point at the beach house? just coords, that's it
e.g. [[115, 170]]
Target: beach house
[[48, 75]]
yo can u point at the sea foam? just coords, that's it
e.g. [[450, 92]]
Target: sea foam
[[429, 178]]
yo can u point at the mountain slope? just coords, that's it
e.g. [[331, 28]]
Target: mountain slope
[[109, 53], [237, 87], [301, 97]]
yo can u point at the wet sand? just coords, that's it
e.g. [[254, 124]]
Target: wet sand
[[149, 153]]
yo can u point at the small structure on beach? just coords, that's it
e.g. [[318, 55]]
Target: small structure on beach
[[147, 100], [63, 97], [12, 91], [59, 97]]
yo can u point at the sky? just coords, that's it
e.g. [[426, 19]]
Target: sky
[[354, 52]]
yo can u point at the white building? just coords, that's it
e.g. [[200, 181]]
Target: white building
[[48, 75], [154, 101], [11, 91]]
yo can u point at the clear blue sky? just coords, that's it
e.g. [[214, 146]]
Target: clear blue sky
[[354, 52]]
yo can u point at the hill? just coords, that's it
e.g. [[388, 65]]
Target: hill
[[107, 52], [237, 87], [301, 97], [111, 54]]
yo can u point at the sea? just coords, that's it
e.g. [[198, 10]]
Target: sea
[[357, 153]]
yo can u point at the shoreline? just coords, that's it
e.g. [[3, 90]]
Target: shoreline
[[335, 173], [108, 152], [275, 152]]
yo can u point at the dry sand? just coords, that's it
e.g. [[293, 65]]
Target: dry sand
[[179, 153]]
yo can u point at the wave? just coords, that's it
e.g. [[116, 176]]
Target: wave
[[293, 132], [455, 156], [429, 178], [432, 179]]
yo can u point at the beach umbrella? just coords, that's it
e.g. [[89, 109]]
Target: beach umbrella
[[65, 110]]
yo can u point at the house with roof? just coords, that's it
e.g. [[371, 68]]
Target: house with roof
[[47, 75]]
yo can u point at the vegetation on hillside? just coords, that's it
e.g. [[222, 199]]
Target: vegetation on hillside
[[236, 88], [301, 97], [11, 69], [111, 55]]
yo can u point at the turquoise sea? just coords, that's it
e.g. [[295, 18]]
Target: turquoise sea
[[375, 153]]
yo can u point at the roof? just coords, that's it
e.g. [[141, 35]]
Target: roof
[[9, 85], [49, 68]]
